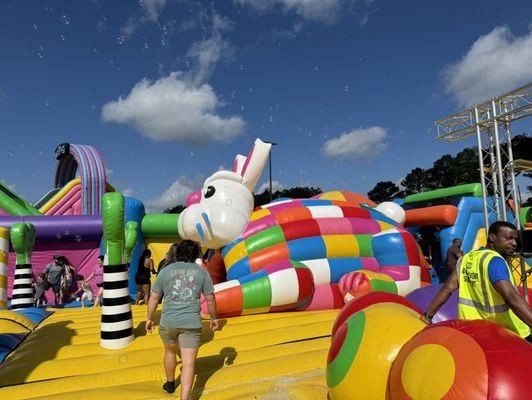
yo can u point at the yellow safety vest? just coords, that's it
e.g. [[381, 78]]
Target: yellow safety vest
[[478, 299]]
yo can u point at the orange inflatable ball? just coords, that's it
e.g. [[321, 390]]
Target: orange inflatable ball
[[367, 300], [364, 347], [463, 360]]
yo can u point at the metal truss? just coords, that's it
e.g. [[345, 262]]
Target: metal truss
[[490, 122]]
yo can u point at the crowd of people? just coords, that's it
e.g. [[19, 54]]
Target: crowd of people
[[67, 284]]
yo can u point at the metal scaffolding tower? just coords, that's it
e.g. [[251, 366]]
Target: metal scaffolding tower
[[490, 122]]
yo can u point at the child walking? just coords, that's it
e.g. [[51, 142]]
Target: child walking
[[87, 290], [41, 284]]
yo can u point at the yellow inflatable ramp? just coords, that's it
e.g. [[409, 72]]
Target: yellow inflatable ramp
[[277, 356]]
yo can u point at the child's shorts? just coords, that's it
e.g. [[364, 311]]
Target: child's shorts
[[88, 295]]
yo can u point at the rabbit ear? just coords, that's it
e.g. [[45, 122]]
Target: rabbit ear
[[240, 160], [254, 164]]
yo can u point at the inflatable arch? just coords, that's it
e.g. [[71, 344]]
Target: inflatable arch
[[86, 163]]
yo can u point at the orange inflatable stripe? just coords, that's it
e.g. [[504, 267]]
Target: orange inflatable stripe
[[436, 215]]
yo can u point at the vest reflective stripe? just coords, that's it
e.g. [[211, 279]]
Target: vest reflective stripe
[[478, 299], [480, 306]]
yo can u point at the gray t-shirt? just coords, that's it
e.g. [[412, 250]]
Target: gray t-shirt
[[54, 273], [181, 285]]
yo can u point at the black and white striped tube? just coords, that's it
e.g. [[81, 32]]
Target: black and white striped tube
[[117, 320], [22, 295]]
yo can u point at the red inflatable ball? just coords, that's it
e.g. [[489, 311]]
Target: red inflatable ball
[[463, 360], [367, 300]]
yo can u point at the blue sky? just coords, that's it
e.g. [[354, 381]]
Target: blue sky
[[169, 91]]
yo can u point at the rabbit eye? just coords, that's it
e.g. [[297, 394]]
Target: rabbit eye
[[210, 192]]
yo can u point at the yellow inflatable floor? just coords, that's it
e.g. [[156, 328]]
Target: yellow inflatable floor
[[269, 356]]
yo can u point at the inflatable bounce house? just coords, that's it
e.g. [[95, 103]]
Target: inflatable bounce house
[[283, 270], [455, 212]]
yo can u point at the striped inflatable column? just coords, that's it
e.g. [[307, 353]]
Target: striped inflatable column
[[4, 250], [117, 321], [22, 240]]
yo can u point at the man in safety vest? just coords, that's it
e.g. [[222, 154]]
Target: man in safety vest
[[486, 286]]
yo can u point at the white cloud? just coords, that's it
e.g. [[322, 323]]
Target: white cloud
[[128, 191], [151, 12], [209, 51], [496, 63], [181, 107], [318, 10], [152, 9], [276, 185], [176, 194], [173, 109], [362, 144]]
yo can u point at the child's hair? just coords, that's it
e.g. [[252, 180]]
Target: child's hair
[[80, 278], [101, 258], [42, 275]]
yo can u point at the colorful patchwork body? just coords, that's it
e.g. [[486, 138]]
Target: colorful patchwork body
[[331, 238]]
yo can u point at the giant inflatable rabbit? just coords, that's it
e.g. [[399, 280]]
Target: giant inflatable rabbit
[[290, 254]]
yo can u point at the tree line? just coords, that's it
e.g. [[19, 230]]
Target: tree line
[[447, 171]]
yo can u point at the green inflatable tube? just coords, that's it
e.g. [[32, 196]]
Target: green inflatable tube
[[472, 189], [15, 205], [130, 239], [525, 215], [23, 240], [160, 225]]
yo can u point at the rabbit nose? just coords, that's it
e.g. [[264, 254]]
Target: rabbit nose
[[193, 198]]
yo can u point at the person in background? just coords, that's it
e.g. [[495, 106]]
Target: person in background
[[69, 277], [180, 284], [486, 286], [54, 274], [143, 276], [41, 285], [88, 294], [454, 252], [97, 275], [170, 257]]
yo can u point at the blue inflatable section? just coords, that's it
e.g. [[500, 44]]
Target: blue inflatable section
[[389, 249], [399, 201], [34, 314], [468, 222], [135, 211]]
